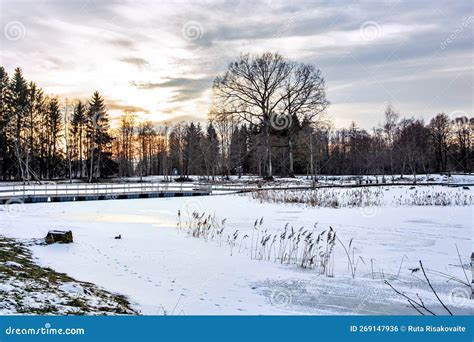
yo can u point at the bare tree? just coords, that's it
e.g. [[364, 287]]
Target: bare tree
[[462, 131], [304, 99], [251, 89], [390, 128], [440, 127], [224, 124]]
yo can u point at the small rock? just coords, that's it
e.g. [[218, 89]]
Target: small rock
[[60, 236]]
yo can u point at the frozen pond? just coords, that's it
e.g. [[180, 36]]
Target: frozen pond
[[162, 269]]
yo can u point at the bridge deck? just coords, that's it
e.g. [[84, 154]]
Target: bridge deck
[[94, 192], [112, 191]]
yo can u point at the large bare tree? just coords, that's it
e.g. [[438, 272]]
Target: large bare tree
[[304, 98], [251, 89]]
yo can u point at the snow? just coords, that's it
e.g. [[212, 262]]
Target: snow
[[26, 288], [72, 288], [163, 270], [13, 264]]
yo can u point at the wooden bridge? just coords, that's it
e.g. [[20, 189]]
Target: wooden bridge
[[95, 192], [70, 192]]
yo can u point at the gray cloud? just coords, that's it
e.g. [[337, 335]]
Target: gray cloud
[[122, 42], [184, 88], [181, 118], [137, 61], [407, 64], [116, 105]]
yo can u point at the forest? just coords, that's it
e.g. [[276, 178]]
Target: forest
[[268, 117]]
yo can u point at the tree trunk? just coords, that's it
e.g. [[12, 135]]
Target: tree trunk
[[291, 171], [80, 152], [268, 152], [311, 161], [92, 157]]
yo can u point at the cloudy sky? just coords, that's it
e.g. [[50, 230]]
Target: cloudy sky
[[158, 58]]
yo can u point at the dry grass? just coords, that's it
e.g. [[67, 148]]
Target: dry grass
[[365, 197], [304, 248]]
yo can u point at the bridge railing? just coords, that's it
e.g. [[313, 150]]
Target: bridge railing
[[80, 189], [77, 189]]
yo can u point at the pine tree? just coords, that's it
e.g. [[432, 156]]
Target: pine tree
[[212, 149], [19, 108], [99, 137], [5, 113], [54, 125], [78, 123]]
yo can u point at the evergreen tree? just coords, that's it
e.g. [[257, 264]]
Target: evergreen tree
[[5, 115], [78, 125], [54, 125], [99, 137], [212, 150], [19, 108]]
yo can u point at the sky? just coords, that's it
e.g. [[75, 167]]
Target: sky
[[158, 59]]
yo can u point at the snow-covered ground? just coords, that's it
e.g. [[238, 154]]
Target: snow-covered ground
[[26, 288], [163, 269]]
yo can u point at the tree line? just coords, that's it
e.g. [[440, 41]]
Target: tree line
[[40, 138], [267, 118]]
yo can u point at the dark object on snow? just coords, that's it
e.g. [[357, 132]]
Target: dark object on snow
[[60, 236], [465, 188], [183, 179], [118, 237], [412, 187], [414, 270]]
